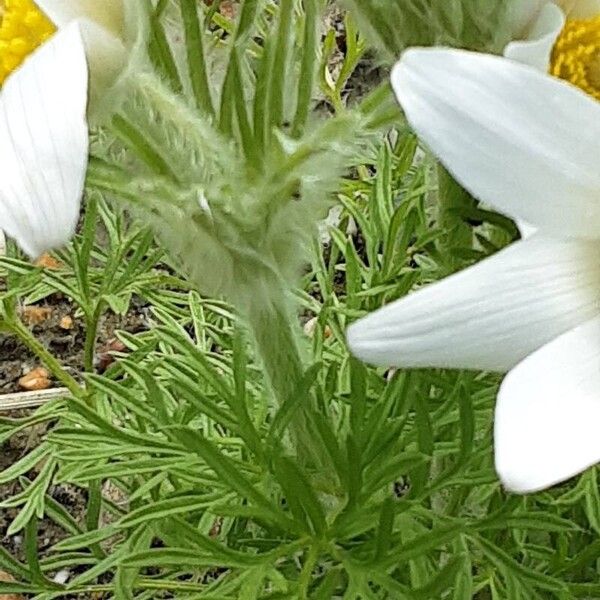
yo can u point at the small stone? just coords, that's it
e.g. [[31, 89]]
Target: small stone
[[48, 262], [215, 530], [116, 345], [62, 576], [311, 325], [36, 379], [66, 323], [34, 315], [105, 356], [228, 9]]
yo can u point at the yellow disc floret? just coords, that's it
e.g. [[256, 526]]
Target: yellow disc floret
[[23, 28], [576, 55]]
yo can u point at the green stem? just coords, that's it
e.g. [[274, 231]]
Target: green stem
[[306, 576], [136, 127], [55, 368], [94, 506], [278, 347], [90, 337], [94, 502], [275, 330]]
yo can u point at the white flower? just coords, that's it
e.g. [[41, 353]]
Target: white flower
[[537, 24], [529, 144], [50, 53]]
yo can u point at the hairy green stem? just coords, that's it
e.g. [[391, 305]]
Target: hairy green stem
[[136, 127], [275, 332], [278, 347]]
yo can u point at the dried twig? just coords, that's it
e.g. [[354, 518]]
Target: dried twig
[[30, 399]]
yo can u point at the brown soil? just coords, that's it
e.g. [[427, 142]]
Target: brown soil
[[66, 344], [70, 497]]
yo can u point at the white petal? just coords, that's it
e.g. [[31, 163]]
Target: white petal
[[536, 49], [44, 144], [106, 56], [103, 29], [548, 413], [521, 15], [525, 228], [490, 316], [106, 13], [519, 140], [581, 9]]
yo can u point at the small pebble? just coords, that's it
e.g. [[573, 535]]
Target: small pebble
[[311, 325], [62, 576], [66, 323], [105, 358], [34, 315], [36, 379], [48, 262]]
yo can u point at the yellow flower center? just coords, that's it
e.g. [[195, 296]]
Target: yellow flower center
[[22, 29], [576, 55]]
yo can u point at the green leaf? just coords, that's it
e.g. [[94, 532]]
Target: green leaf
[[592, 499], [229, 473], [297, 486], [31, 552], [34, 497], [12, 565], [176, 557], [435, 588], [25, 464], [143, 147], [463, 586], [420, 474], [162, 55], [330, 443], [196, 60], [540, 521], [119, 303], [384, 532], [286, 412], [126, 577], [308, 65], [114, 433], [358, 387], [507, 565], [248, 11], [169, 507], [355, 479], [279, 70], [420, 545], [184, 382], [86, 539], [388, 471]]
